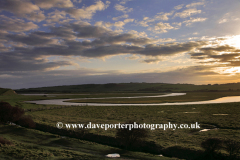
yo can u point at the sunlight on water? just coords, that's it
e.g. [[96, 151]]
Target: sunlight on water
[[61, 101]]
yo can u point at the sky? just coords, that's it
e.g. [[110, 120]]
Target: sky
[[71, 42]]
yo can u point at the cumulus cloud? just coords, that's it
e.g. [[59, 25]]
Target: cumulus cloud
[[179, 7], [123, 9], [161, 27], [195, 4], [13, 62], [56, 16], [87, 12], [149, 21], [60, 41], [22, 8], [187, 13], [138, 34], [18, 7], [162, 16], [225, 55], [46, 4], [15, 25], [34, 39], [119, 17], [118, 24], [128, 20], [194, 20]]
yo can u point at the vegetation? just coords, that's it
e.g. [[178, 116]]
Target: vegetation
[[232, 147], [211, 145], [15, 114], [9, 113], [131, 137], [4, 141], [133, 87], [4, 91], [34, 144], [48, 142]]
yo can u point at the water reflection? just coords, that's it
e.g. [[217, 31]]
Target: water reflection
[[61, 101]]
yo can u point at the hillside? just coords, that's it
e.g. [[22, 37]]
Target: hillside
[[4, 91], [133, 87]]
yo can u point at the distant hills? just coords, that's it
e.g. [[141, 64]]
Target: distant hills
[[4, 91], [133, 87]]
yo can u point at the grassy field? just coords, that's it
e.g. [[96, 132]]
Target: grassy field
[[223, 119], [33, 144], [206, 115]]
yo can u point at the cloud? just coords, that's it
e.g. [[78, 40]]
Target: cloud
[[13, 62], [138, 34], [61, 41], [133, 57], [123, 9], [171, 48], [149, 21], [161, 27], [162, 16], [36, 16], [195, 4], [187, 13], [194, 20], [77, 1], [128, 20], [88, 12], [225, 55], [56, 16], [15, 25], [117, 18], [118, 24], [46, 4], [34, 39], [124, 1], [18, 7], [228, 17], [166, 40], [192, 74], [151, 60], [22, 8], [179, 7]]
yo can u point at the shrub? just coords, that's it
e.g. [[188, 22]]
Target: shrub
[[26, 121], [5, 141], [212, 145], [9, 113], [232, 147], [16, 113], [5, 111], [131, 138]]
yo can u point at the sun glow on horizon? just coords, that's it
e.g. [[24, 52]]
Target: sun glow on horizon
[[233, 41]]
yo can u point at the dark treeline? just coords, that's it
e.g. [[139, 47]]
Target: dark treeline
[[133, 87]]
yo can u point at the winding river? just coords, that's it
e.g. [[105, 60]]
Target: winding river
[[62, 101]]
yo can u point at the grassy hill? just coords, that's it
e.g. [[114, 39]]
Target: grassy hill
[[4, 91], [133, 87]]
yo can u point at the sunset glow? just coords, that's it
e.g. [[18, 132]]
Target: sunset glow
[[61, 42]]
